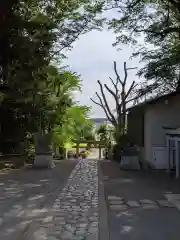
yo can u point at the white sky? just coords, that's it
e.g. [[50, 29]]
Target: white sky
[[92, 57]]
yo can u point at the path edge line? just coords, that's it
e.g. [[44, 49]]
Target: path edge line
[[103, 215]]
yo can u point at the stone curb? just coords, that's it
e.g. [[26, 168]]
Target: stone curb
[[174, 199], [103, 216]]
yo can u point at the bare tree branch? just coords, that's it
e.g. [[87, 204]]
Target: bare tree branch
[[125, 74], [114, 95], [130, 89], [101, 101], [105, 101], [103, 107], [136, 97], [96, 103], [132, 68], [114, 84], [111, 92], [117, 75]]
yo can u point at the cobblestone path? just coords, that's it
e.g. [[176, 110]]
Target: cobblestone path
[[74, 215]]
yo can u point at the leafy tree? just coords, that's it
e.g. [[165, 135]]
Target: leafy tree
[[74, 121], [87, 130], [102, 132], [56, 95], [58, 113], [33, 34]]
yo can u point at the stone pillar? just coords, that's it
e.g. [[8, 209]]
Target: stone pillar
[[43, 153]]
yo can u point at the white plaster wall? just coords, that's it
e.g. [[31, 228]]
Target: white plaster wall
[[159, 115]]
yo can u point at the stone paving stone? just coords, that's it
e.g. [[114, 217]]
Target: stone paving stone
[[94, 224], [75, 211], [174, 196], [106, 177], [133, 204], [118, 207], [149, 206], [117, 202], [92, 230], [165, 203], [92, 236], [48, 219], [147, 201], [52, 238], [114, 198]]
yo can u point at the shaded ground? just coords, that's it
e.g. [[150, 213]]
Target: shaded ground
[[158, 222], [29, 197], [26, 195]]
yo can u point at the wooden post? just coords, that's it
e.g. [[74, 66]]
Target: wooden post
[[177, 158], [66, 153], [99, 151], [77, 150], [168, 153]]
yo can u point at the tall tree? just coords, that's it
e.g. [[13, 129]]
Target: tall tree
[[122, 95]]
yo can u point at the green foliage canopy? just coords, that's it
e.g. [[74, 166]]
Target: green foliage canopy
[[33, 93], [74, 121], [158, 23]]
